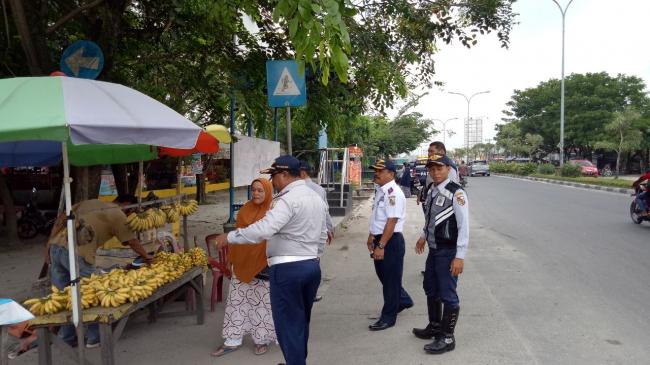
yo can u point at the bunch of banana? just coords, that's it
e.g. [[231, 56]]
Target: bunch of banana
[[188, 207], [140, 290], [53, 303], [111, 297], [89, 296], [199, 257], [171, 213], [158, 217], [139, 222]]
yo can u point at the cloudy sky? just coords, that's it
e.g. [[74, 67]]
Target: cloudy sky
[[601, 35]]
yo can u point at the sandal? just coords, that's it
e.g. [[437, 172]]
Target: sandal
[[223, 350], [261, 349]]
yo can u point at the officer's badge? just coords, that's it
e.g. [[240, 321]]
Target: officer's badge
[[460, 199], [390, 190], [391, 200], [440, 200]]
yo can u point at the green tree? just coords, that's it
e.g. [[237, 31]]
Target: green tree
[[590, 101], [509, 138], [622, 135], [531, 144]]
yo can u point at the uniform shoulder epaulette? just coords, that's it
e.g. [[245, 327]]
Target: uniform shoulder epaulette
[[452, 187]]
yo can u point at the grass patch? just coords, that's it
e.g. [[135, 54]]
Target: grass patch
[[616, 183]]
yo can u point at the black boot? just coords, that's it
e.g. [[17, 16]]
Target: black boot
[[446, 341], [434, 308]]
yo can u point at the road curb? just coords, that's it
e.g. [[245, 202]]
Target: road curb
[[570, 183]]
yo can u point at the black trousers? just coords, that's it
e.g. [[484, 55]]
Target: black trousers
[[389, 271]]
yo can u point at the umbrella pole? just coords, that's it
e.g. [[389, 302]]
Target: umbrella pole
[[179, 190], [140, 182], [72, 256]]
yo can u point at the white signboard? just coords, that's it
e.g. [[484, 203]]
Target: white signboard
[[251, 156]]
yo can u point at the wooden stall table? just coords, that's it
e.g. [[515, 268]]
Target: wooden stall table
[[118, 316]]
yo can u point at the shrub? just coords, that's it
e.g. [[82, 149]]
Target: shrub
[[501, 167], [570, 170], [526, 169], [513, 168], [546, 169]]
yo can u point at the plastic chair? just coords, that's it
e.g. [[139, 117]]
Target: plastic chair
[[219, 268]]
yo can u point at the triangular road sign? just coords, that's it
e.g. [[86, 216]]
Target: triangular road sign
[[286, 85]]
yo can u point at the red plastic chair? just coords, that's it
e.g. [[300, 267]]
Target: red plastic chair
[[219, 267]]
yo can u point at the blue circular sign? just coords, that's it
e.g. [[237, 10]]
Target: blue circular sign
[[83, 59]]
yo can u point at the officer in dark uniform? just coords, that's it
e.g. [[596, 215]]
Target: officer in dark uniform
[[386, 243], [446, 233]]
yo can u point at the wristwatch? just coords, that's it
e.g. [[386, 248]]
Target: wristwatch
[[380, 246]]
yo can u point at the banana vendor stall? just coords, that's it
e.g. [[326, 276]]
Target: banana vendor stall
[[88, 122]]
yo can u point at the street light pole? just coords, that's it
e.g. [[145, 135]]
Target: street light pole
[[563, 11], [469, 100], [444, 128]]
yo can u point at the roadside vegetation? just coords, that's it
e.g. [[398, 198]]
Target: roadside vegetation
[[568, 172]]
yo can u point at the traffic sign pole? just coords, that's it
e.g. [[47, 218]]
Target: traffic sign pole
[[288, 115], [275, 124], [286, 88]]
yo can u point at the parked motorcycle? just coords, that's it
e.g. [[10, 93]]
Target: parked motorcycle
[[32, 221], [634, 208]]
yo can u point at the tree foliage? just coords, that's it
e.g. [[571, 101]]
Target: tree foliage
[[590, 101], [622, 134]]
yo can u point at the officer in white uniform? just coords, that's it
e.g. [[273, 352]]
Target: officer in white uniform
[[386, 243], [446, 233], [294, 228]]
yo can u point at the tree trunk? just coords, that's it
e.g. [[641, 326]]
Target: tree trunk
[[9, 210], [618, 163], [26, 40]]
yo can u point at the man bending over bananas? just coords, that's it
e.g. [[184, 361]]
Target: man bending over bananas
[[96, 222]]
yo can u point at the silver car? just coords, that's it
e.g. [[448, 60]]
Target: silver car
[[480, 168]]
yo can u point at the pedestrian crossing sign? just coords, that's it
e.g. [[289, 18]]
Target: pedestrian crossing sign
[[286, 87]]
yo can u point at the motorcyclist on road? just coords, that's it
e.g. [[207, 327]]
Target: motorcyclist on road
[[641, 199], [463, 171]]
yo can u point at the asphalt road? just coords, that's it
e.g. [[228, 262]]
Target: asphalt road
[[567, 267]]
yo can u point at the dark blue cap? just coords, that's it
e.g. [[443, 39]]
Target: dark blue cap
[[384, 165], [442, 160], [283, 163], [304, 165]]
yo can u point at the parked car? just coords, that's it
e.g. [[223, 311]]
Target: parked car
[[586, 167], [479, 168]]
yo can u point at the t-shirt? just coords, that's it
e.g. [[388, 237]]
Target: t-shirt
[[97, 222]]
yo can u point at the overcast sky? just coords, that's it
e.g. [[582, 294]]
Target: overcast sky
[[601, 35]]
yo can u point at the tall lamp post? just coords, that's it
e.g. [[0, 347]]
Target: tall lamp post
[[469, 100], [563, 11], [444, 128]]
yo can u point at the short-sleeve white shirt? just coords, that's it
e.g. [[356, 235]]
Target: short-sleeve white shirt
[[389, 203]]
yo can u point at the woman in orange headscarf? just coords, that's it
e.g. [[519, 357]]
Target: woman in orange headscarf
[[248, 306]]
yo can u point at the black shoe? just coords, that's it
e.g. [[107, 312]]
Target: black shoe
[[447, 342], [430, 331], [441, 345], [402, 307], [434, 311], [380, 326]]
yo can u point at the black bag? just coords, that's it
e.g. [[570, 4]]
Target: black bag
[[264, 274]]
